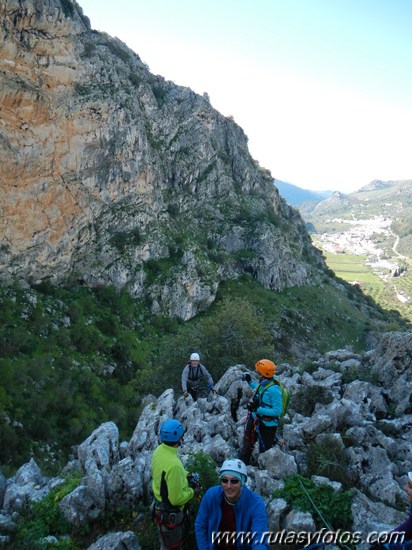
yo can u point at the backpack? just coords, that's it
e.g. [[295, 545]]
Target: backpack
[[285, 395], [285, 398]]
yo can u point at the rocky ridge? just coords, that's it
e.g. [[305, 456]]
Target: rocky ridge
[[112, 175], [371, 423]]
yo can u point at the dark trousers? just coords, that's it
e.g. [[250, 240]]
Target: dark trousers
[[255, 430], [193, 392]]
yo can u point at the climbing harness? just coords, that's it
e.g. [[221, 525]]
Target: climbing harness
[[171, 523]]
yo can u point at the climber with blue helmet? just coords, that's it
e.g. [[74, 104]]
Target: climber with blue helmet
[[170, 485], [233, 512]]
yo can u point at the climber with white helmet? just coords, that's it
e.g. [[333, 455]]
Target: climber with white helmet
[[191, 375], [230, 514], [264, 410], [170, 485]]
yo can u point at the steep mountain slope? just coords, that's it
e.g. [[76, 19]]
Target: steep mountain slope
[[112, 175]]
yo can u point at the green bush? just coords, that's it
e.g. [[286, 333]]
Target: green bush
[[44, 518], [206, 467], [328, 458], [305, 399], [118, 50], [329, 508], [233, 334], [68, 8], [67, 358]]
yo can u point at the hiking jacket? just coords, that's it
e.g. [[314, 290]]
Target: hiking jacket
[[192, 375], [250, 514], [270, 403], [169, 478], [406, 526]]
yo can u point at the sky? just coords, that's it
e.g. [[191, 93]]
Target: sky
[[321, 88]]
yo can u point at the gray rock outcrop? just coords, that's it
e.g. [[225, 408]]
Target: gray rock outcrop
[[376, 448]]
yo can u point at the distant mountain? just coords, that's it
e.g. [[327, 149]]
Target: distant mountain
[[295, 195], [379, 185], [388, 199], [335, 204]]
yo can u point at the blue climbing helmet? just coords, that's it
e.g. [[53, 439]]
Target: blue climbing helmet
[[171, 431]]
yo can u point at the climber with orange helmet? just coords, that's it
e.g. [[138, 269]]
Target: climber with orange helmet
[[264, 410]]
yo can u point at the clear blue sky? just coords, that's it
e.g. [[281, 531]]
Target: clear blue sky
[[322, 88]]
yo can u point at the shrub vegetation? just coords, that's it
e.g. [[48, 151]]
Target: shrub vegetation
[[329, 508]]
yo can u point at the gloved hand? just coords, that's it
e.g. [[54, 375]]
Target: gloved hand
[[185, 393], [246, 378], [253, 404], [193, 479]]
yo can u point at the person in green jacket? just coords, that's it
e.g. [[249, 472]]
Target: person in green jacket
[[170, 485]]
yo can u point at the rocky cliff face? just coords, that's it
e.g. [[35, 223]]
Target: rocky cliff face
[[113, 175]]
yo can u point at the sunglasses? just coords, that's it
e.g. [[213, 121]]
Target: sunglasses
[[231, 481]]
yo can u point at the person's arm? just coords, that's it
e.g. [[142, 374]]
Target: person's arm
[[201, 524], [207, 375], [273, 402], [185, 375], [259, 524], [179, 492]]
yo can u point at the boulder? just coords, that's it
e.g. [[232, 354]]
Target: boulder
[[117, 541]]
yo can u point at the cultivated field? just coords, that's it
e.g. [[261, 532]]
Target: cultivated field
[[389, 292]]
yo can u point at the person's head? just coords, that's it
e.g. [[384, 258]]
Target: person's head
[[265, 368], [408, 487], [233, 475], [171, 432], [194, 359]]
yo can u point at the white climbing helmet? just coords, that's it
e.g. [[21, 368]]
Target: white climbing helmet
[[234, 466], [194, 357]]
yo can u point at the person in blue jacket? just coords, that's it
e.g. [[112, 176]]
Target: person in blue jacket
[[405, 527], [231, 516], [264, 408]]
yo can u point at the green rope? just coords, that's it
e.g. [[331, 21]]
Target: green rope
[[318, 511], [314, 505]]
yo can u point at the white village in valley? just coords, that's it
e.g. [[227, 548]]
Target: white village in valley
[[361, 239]]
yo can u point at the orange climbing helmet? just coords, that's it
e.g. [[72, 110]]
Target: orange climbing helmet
[[266, 368]]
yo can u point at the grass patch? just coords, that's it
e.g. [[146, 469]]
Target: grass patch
[[325, 504]]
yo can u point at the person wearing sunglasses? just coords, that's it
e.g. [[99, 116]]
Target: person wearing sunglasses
[[231, 516]]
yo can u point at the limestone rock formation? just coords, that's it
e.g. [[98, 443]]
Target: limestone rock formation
[[331, 408], [112, 175]]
